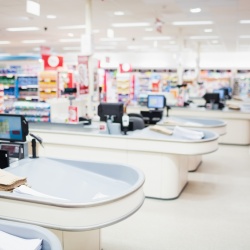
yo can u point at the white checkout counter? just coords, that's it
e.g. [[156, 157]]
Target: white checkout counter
[[217, 126], [238, 122], [162, 158], [86, 196]]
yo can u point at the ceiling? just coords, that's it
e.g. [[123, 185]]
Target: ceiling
[[227, 33]]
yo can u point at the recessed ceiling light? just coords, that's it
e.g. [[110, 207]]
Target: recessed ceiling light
[[72, 27], [134, 47], [208, 30], [33, 7], [149, 29], [203, 37], [244, 21], [51, 16], [116, 39], [214, 41], [33, 41], [192, 23], [150, 38], [4, 42], [23, 29], [244, 36], [195, 10], [69, 40], [95, 31], [70, 34], [118, 13], [120, 25]]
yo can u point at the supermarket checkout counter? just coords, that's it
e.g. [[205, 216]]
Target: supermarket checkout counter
[[238, 121], [217, 126], [78, 198], [162, 158], [74, 199]]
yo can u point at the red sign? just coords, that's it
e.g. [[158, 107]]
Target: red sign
[[125, 67], [52, 62], [83, 74]]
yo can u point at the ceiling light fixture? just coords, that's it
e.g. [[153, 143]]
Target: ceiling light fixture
[[208, 30], [195, 10], [72, 48], [149, 29], [244, 21], [51, 16], [23, 29], [70, 34], [119, 13], [121, 25], [72, 27], [105, 47], [4, 42], [203, 37], [150, 38], [33, 41], [135, 47], [33, 7], [244, 36], [214, 42], [192, 23]]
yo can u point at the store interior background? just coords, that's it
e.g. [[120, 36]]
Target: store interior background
[[149, 35]]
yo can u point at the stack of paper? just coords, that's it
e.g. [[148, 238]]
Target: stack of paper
[[26, 190], [188, 133], [11, 242], [9, 181], [161, 129], [181, 122]]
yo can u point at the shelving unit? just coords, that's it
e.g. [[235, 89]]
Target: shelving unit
[[1, 98], [27, 88], [33, 111], [8, 81], [123, 86], [48, 87], [241, 85]]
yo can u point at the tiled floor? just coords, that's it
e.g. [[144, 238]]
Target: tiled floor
[[212, 213]]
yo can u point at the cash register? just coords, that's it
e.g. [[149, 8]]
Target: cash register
[[13, 145]]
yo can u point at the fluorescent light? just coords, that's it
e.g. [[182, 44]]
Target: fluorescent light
[[203, 37], [4, 42], [5, 54], [33, 7], [244, 21], [110, 33], [114, 39], [70, 34], [118, 13], [70, 40], [72, 48], [149, 29], [23, 29], [33, 41], [51, 16], [72, 27], [120, 25], [208, 30], [214, 41], [95, 31], [195, 10], [193, 23], [244, 36], [150, 38], [172, 42], [134, 47]]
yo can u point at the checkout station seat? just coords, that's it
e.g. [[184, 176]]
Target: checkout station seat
[[152, 117], [136, 122]]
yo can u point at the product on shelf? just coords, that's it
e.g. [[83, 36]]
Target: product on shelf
[[48, 87], [27, 88]]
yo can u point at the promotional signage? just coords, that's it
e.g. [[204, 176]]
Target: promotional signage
[[83, 74], [125, 68], [52, 62]]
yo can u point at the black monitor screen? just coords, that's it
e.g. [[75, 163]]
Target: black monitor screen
[[156, 101], [221, 92], [13, 127], [212, 97], [113, 111]]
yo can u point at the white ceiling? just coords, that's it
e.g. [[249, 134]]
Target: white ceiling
[[225, 15]]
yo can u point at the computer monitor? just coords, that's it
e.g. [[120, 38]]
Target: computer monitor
[[212, 98], [156, 102], [113, 111], [221, 93], [13, 128]]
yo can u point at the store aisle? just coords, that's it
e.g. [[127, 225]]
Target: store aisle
[[213, 212]]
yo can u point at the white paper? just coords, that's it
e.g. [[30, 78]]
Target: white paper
[[26, 190], [188, 133], [11, 242]]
